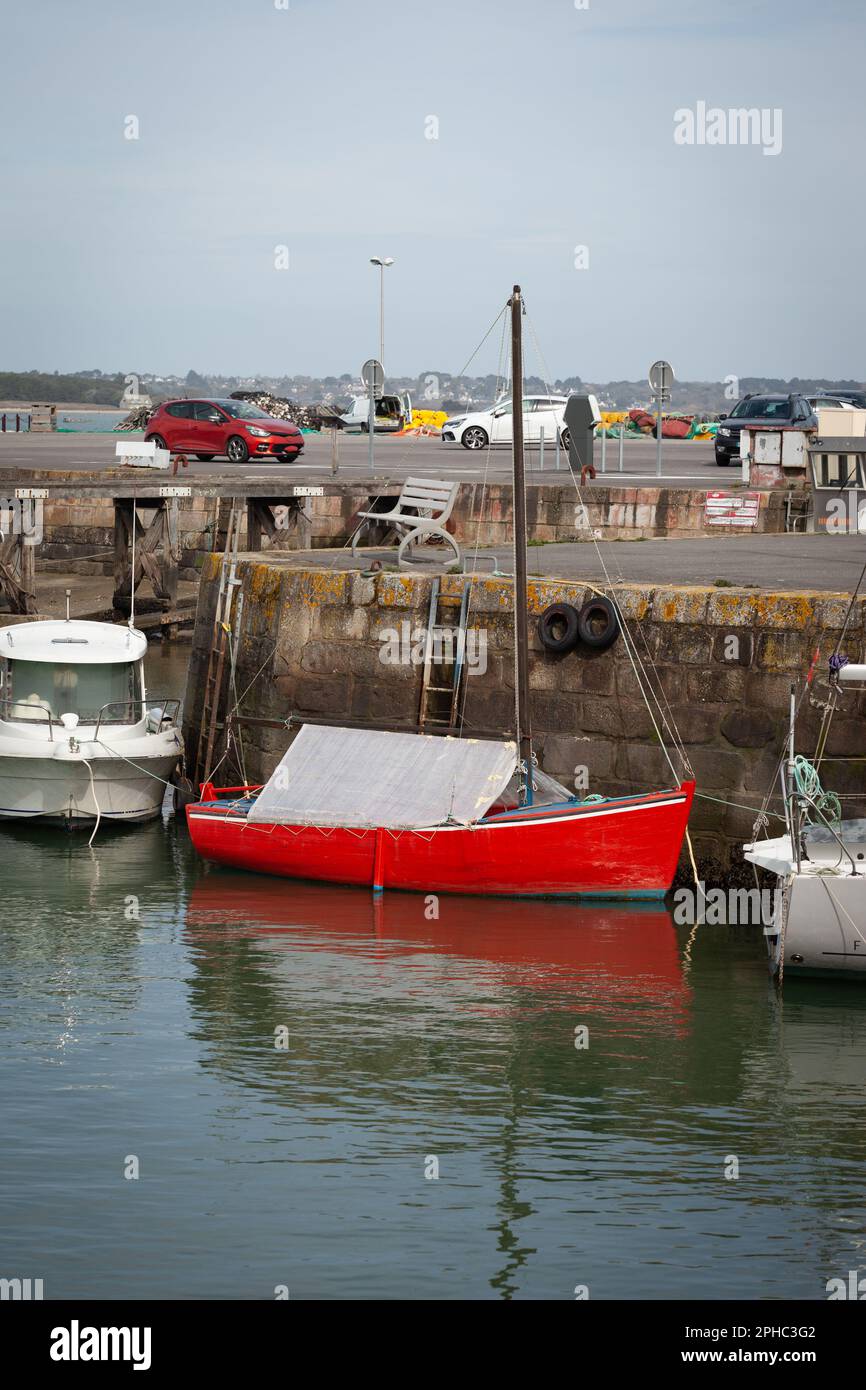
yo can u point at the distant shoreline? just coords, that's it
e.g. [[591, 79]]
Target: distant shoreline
[[23, 406]]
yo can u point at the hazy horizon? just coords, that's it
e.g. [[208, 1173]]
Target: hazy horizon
[[267, 135]]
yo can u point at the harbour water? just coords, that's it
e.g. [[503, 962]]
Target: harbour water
[[345, 1098]]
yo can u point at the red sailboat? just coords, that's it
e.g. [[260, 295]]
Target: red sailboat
[[453, 815]]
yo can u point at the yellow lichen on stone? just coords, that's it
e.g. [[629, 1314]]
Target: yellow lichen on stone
[[326, 586], [211, 567], [784, 610], [398, 591]]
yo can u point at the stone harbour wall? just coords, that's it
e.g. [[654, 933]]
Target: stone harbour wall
[[82, 528], [312, 642]]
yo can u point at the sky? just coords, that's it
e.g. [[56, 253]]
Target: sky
[[480, 144]]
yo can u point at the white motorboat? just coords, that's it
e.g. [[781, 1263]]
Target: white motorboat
[[79, 741], [819, 923]]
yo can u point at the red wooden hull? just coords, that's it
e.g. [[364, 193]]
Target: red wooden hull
[[624, 847]]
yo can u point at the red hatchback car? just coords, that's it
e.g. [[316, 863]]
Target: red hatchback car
[[235, 429]]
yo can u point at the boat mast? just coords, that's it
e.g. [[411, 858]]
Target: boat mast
[[521, 629]]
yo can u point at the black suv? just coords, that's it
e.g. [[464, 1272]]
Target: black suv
[[760, 410]]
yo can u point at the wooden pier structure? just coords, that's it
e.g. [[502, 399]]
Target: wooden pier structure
[[146, 522]]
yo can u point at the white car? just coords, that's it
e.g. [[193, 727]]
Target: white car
[[482, 427]]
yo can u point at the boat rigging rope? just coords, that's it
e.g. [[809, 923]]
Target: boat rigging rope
[[636, 663], [638, 667], [95, 801], [808, 783]]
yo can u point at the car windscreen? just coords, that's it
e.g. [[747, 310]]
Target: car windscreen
[[762, 408], [242, 410]]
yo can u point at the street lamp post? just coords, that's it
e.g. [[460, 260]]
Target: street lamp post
[[381, 262]]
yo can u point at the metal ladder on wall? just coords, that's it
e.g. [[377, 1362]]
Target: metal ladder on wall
[[210, 710], [444, 655]]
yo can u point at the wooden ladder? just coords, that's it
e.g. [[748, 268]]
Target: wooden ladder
[[210, 710], [450, 659]]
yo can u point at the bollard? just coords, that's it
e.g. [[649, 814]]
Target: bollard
[[603, 447], [335, 451], [621, 441], [557, 450], [541, 450]]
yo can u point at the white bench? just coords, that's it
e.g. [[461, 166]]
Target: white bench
[[421, 510]]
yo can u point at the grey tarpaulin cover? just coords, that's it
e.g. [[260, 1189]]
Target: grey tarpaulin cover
[[365, 778]]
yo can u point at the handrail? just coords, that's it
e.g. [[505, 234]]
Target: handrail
[[845, 850], [161, 703], [112, 704], [23, 720]]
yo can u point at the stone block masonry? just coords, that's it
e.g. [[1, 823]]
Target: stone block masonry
[[76, 526], [722, 662]]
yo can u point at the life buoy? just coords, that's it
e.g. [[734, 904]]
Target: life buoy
[[558, 627], [598, 624]]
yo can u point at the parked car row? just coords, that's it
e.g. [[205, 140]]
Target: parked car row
[[238, 430]]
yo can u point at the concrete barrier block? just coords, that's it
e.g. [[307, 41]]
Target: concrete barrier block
[[716, 769], [362, 589], [717, 685], [749, 728], [793, 612], [492, 596], [542, 593], [731, 608], [326, 695], [831, 613], [402, 590], [643, 763], [680, 605], [326, 586], [695, 723], [734, 647], [690, 646], [634, 601], [584, 674], [781, 651]]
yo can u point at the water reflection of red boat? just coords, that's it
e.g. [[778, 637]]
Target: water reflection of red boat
[[599, 950]]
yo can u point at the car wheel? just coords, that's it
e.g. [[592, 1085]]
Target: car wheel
[[205, 458], [474, 438], [723, 463], [236, 449], [565, 439], [156, 439]]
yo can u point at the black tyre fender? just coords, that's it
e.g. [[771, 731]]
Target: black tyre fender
[[558, 627], [598, 623]]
